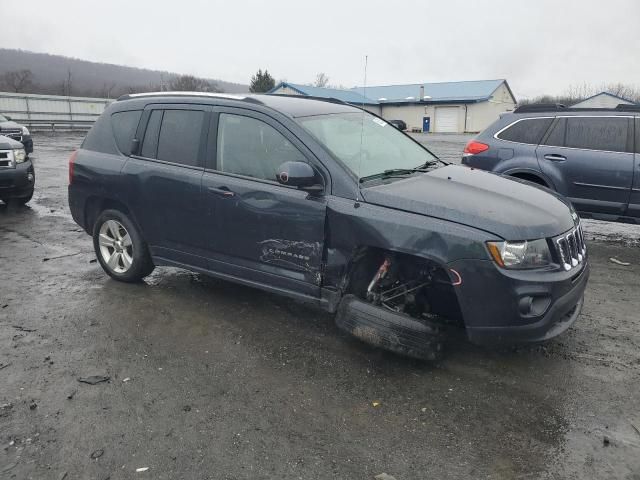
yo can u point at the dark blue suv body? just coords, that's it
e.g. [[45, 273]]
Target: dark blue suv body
[[325, 203], [590, 156]]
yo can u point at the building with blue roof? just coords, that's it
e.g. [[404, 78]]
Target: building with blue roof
[[444, 107]]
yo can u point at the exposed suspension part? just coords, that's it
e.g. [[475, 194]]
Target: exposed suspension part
[[395, 313], [398, 288]]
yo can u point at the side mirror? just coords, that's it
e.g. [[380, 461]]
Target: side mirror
[[300, 175], [135, 146]]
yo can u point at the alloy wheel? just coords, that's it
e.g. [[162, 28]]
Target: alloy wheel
[[116, 247]]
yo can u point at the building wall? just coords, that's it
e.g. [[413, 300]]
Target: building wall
[[478, 115], [373, 109], [410, 114], [601, 101], [481, 115], [413, 114]]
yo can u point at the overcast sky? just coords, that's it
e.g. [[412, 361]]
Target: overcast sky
[[539, 46]]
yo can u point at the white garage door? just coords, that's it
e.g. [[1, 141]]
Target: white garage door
[[447, 120]]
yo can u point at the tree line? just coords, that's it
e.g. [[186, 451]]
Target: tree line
[[577, 93], [23, 81]]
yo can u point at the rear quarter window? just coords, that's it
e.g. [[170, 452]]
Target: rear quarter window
[[530, 131], [124, 126], [598, 133]]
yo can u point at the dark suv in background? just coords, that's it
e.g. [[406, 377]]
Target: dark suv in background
[[325, 203], [17, 132], [590, 156], [17, 175]]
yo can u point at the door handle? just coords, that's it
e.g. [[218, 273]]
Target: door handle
[[555, 157], [223, 191]]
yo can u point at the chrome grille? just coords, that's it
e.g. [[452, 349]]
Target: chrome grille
[[14, 133], [6, 159], [571, 248]]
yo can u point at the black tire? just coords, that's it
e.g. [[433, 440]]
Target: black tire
[[139, 263]]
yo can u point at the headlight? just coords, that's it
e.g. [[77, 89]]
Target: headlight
[[527, 254], [25, 131], [19, 155]]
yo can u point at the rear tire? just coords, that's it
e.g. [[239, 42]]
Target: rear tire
[[119, 247]]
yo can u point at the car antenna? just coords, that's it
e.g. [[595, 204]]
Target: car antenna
[[364, 92]]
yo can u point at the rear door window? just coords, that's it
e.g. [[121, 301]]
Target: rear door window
[[124, 126], [529, 130], [555, 138], [179, 140], [598, 133]]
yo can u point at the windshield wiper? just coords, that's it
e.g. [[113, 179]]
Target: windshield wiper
[[396, 172]]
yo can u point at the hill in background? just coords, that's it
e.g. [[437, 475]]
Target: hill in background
[[59, 75]]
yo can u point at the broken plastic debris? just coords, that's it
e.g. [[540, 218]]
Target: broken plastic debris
[[619, 262], [97, 453], [376, 404], [94, 379], [384, 476], [126, 379], [142, 469]]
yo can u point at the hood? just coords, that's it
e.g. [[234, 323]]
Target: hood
[[7, 143], [9, 125], [510, 209]]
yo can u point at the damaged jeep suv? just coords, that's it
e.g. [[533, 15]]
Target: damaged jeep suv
[[326, 203]]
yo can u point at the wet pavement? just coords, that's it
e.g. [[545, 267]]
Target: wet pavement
[[211, 380]]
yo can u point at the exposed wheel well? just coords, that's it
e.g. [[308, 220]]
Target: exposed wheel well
[[96, 205], [439, 293], [531, 177]]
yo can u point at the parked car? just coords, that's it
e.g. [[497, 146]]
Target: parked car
[[399, 124], [17, 132], [590, 156], [17, 176], [325, 203]]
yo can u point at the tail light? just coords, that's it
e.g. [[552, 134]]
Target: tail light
[[473, 148], [72, 162]]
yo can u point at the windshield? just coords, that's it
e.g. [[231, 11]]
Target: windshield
[[366, 144], [3, 118]]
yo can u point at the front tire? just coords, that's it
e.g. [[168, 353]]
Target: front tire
[[119, 247]]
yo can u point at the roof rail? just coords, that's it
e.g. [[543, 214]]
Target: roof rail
[[540, 107], [311, 97], [625, 107], [182, 94]]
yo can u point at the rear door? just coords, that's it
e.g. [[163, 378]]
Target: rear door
[[590, 159], [164, 180], [256, 228], [634, 200]]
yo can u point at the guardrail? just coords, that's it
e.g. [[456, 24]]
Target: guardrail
[[59, 124], [52, 111]]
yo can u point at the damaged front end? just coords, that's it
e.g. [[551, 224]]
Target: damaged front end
[[394, 309]]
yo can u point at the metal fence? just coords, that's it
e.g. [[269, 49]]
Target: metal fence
[[52, 111]]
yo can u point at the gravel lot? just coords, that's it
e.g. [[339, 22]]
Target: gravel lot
[[213, 380]]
